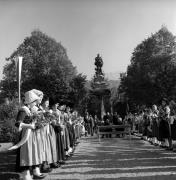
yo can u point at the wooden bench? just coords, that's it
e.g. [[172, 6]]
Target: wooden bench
[[113, 129]]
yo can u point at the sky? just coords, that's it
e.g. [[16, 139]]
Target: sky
[[112, 28]]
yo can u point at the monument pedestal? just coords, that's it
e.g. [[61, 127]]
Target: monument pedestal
[[100, 85]]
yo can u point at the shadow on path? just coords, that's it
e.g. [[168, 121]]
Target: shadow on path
[[118, 158], [114, 158]]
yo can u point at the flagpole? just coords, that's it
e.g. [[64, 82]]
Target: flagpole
[[19, 93], [19, 66]]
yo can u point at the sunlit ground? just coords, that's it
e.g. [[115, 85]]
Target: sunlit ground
[[117, 158]]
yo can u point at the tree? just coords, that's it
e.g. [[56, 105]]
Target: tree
[[46, 66], [78, 92], [152, 72]]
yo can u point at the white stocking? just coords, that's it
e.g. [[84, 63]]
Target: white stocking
[[36, 171], [26, 175]]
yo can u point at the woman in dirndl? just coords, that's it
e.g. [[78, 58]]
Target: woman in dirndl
[[165, 129], [52, 138], [58, 132], [76, 125], [155, 125], [65, 130], [49, 139], [28, 152], [46, 141], [69, 124]]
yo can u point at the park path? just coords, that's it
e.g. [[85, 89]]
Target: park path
[[117, 158]]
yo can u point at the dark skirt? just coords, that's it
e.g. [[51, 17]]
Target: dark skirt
[[155, 129], [19, 168], [145, 131], [71, 134], [164, 130], [149, 132], [60, 144], [173, 131], [87, 127]]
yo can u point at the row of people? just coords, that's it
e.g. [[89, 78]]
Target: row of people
[[49, 134], [108, 119], [90, 124], [157, 124]]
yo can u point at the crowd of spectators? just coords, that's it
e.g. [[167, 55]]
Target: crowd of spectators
[[157, 123], [91, 123]]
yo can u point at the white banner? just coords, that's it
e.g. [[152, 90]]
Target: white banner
[[19, 68], [18, 71]]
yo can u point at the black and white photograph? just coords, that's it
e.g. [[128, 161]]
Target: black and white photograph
[[88, 89]]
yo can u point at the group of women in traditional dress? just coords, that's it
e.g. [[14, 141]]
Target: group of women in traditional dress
[[48, 135], [158, 124]]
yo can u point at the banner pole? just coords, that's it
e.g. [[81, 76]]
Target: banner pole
[[19, 66], [19, 93]]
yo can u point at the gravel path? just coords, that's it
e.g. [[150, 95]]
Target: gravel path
[[117, 158]]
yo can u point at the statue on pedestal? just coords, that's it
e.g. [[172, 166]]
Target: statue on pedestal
[[99, 80], [98, 63], [99, 84]]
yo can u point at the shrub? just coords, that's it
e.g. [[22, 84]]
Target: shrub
[[8, 113]]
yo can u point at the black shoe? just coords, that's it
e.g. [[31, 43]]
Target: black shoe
[[54, 165], [44, 170], [169, 149], [45, 165], [67, 156], [71, 154], [39, 177], [61, 162], [162, 146]]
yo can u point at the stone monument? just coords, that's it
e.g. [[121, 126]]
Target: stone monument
[[100, 86]]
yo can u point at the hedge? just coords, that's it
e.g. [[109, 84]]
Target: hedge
[[8, 113]]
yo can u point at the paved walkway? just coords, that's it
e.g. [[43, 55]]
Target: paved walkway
[[117, 158]]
